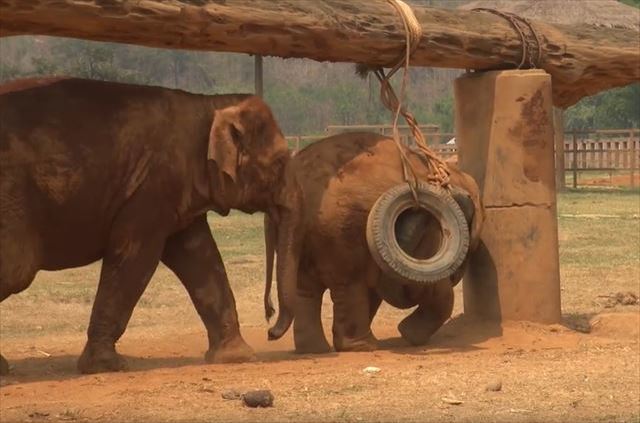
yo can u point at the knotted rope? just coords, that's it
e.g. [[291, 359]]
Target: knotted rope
[[517, 23], [438, 170]]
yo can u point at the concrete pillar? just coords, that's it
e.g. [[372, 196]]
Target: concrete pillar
[[504, 130], [558, 127]]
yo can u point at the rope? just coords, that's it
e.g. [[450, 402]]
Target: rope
[[438, 170], [516, 22], [412, 30]]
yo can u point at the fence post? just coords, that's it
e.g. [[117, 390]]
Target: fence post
[[632, 150], [575, 161], [600, 153], [616, 153]]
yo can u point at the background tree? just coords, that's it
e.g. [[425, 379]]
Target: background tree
[[619, 108]]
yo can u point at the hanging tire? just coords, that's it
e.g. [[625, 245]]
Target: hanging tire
[[383, 240]]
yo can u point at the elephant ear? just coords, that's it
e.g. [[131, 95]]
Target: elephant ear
[[226, 140]]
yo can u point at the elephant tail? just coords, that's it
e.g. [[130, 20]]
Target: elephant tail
[[270, 241], [289, 246]]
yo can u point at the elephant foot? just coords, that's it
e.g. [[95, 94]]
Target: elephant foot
[[101, 358], [365, 343], [310, 341], [312, 347], [416, 329], [234, 351], [4, 366]]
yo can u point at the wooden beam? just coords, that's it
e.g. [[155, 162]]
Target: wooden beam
[[581, 59]]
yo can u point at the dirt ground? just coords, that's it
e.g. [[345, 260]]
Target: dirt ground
[[614, 180], [547, 374], [586, 370]]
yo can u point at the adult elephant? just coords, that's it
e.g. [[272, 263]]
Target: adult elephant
[[319, 231], [95, 170]]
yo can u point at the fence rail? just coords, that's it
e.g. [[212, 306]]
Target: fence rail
[[606, 150], [602, 150], [436, 140]]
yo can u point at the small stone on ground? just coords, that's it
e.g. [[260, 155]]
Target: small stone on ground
[[231, 394], [451, 401], [258, 398], [494, 386]]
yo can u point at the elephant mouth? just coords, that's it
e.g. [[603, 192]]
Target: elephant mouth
[[251, 200]]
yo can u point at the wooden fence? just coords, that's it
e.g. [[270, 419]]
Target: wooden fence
[[616, 150], [436, 139], [298, 142], [602, 150]]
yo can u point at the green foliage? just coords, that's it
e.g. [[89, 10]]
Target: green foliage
[[305, 96], [634, 3], [617, 108], [443, 112], [346, 104], [38, 56], [307, 106], [289, 106], [85, 60]]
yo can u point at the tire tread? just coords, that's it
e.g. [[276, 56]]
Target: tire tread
[[392, 262]]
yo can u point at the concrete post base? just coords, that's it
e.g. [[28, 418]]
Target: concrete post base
[[504, 130]]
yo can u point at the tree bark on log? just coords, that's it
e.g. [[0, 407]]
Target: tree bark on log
[[581, 59]]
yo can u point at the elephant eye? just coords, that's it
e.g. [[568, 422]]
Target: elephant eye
[[236, 135]]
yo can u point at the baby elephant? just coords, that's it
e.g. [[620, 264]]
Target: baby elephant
[[318, 229]]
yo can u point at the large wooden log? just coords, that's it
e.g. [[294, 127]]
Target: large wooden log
[[581, 59]]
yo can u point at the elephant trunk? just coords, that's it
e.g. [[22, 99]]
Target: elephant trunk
[[270, 240], [286, 272], [409, 231]]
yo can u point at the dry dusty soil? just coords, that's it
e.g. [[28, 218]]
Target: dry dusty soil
[[585, 370], [618, 179]]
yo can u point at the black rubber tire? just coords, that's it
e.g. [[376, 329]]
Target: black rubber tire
[[384, 246]]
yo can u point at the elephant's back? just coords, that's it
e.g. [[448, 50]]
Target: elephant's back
[[72, 151], [342, 177], [67, 106], [356, 168], [61, 96], [349, 154]]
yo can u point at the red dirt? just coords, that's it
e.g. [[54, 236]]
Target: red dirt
[[614, 180], [548, 373]]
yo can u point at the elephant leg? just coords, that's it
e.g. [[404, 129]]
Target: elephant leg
[[7, 289], [374, 304], [4, 366], [193, 256], [351, 318], [130, 259], [123, 279], [434, 308], [308, 334], [19, 260]]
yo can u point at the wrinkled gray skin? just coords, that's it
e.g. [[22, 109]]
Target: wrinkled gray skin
[[95, 170], [319, 233]]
